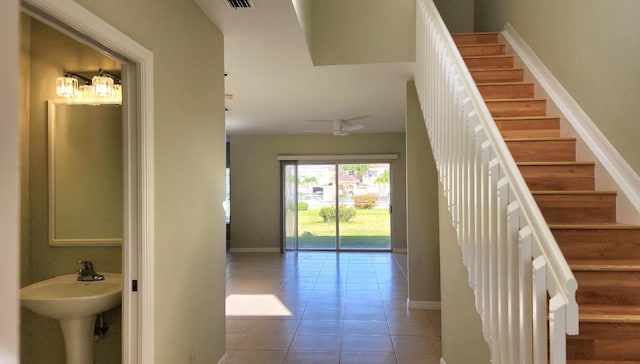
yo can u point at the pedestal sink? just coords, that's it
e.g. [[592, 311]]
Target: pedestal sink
[[75, 304]]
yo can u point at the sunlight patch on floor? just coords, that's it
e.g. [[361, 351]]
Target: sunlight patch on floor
[[255, 305]]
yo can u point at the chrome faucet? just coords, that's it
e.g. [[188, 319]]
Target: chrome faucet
[[87, 273]]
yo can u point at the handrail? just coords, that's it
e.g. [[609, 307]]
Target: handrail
[[458, 122]]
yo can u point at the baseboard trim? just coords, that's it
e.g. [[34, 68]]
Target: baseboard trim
[[423, 305], [400, 250], [223, 360], [255, 250]]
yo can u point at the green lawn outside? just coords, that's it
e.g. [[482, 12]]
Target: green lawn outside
[[369, 229]]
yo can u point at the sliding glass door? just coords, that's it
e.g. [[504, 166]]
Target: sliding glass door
[[364, 200], [316, 207], [336, 206]]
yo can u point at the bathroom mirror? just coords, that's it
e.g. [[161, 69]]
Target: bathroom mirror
[[85, 173]]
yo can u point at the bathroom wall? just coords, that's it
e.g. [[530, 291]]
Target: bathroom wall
[[50, 53]]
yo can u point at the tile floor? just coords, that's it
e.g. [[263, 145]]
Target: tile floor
[[325, 307]]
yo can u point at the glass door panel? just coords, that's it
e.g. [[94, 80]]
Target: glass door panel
[[316, 206], [290, 206], [364, 206]]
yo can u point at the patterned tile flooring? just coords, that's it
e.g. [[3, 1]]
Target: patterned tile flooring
[[325, 307]]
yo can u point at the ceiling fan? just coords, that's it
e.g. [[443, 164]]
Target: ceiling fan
[[342, 127]]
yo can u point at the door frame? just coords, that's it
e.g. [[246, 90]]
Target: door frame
[[138, 248]]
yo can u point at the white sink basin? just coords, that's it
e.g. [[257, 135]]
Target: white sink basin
[[63, 297], [75, 304]]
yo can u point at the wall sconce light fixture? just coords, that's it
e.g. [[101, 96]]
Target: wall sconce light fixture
[[104, 84]]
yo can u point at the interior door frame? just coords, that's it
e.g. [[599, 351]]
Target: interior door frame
[[283, 207], [138, 247]]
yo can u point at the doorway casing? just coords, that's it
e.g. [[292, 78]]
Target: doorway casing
[[138, 250]]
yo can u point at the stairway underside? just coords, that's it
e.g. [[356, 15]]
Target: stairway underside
[[603, 254]]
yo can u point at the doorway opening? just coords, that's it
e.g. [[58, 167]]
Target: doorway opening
[[336, 206], [138, 255]]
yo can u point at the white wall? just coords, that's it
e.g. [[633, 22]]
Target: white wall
[[422, 199], [255, 181], [9, 183]]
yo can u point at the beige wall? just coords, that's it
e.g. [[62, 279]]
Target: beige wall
[[190, 168], [49, 53], [304, 12], [592, 48], [352, 32], [462, 340], [422, 198], [457, 14], [255, 181]]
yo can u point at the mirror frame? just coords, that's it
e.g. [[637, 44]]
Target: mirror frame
[[51, 118]]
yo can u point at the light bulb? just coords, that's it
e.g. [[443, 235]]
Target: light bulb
[[67, 86], [102, 86]]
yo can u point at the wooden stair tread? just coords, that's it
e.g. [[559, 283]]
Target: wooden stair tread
[[602, 265], [569, 163], [609, 313], [586, 361], [516, 100], [574, 192], [489, 57], [459, 34], [503, 83], [496, 69], [602, 226], [503, 118], [538, 139], [479, 44]]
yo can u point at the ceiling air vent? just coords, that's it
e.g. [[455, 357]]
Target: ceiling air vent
[[240, 4]]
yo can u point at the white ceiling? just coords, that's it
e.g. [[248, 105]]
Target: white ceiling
[[276, 88]]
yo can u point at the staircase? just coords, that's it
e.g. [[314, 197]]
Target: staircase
[[603, 254]]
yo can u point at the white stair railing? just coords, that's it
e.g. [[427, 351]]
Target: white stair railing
[[524, 289]]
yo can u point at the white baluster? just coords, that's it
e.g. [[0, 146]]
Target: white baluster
[[540, 338], [513, 287], [557, 330], [526, 289], [494, 176], [503, 273]]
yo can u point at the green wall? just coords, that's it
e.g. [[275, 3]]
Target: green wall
[[591, 47], [353, 32], [462, 340], [457, 14], [255, 181], [422, 216]]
